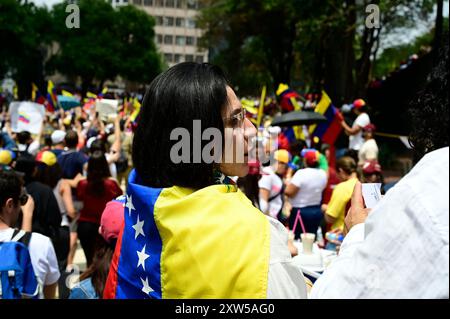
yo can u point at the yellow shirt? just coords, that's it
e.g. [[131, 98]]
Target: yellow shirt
[[338, 202]]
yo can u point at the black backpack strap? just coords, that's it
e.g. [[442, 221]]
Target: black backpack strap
[[21, 236]]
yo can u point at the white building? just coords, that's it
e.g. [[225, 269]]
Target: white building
[[176, 31]]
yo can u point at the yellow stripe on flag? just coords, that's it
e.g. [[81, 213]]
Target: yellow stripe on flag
[[321, 108], [34, 90]]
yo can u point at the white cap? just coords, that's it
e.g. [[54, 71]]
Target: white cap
[[58, 136], [90, 141]]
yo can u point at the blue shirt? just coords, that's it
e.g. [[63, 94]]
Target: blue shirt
[[72, 163]]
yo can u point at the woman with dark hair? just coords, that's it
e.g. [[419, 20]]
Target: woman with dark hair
[[95, 192], [189, 232]]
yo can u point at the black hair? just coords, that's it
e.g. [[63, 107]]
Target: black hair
[[27, 166], [98, 145], [71, 139], [10, 187], [49, 175], [185, 92], [429, 111], [48, 140], [23, 137], [97, 172]]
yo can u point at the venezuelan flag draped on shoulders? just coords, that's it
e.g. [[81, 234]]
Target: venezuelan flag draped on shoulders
[[177, 243]]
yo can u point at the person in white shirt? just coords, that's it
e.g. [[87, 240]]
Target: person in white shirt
[[369, 150], [400, 249], [356, 139], [271, 187], [305, 194], [42, 253]]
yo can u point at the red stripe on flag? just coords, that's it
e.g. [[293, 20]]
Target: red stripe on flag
[[112, 282], [332, 133]]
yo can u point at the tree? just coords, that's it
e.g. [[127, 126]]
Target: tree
[[234, 27], [24, 38], [141, 61], [108, 43], [326, 45]]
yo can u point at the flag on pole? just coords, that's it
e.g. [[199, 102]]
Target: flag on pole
[[37, 97], [327, 131], [51, 97], [287, 97]]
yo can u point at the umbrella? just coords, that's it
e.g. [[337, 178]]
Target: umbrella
[[68, 102], [298, 118]]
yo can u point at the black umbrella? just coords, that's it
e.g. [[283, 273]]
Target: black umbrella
[[298, 118]]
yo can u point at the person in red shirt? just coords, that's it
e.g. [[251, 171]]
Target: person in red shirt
[[95, 192]]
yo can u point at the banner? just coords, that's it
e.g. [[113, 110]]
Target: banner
[[27, 116], [106, 108]]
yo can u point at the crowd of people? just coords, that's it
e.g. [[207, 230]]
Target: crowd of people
[[152, 228]]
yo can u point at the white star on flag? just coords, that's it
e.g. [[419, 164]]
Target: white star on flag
[[146, 287], [142, 257], [138, 228], [129, 204]]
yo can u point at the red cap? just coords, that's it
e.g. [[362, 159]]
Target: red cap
[[371, 167], [311, 157], [112, 220], [359, 103]]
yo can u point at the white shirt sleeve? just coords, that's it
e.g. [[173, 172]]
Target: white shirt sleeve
[[265, 182], [33, 149], [362, 120], [297, 178], [43, 258], [285, 280]]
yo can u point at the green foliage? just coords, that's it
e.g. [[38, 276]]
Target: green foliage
[[109, 42], [321, 44], [24, 39]]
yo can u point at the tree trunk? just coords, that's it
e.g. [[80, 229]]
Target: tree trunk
[[439, 27]]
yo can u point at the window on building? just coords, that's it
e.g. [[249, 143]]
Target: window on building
[[190, 41], [190, 23], [180, 40], [159, 38], [189, 58], [159, 3], [192, 4], [177, 58], [170, 3], [168, 39], [168, 21], [180, 4], [168, 57], [199, 59], [180, 22], [137, 2], [148, 3], [159, 20]]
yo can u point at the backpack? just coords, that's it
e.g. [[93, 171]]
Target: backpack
[[17, 277]]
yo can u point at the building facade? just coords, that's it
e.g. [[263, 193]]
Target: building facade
[[176, 34]]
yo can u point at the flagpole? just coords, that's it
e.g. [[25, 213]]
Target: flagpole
[[261, 106]]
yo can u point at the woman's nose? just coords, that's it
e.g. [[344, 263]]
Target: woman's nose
[[249, 129]]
